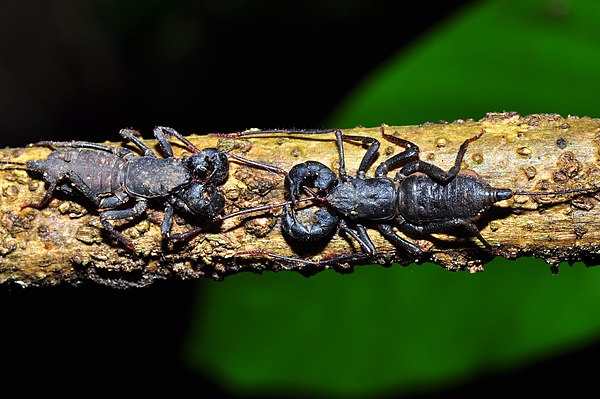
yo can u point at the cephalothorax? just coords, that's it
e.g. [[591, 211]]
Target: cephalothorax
[[121, 183], [421, 199]]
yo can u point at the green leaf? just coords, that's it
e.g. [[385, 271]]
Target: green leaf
[[524, 56], [422, 327]]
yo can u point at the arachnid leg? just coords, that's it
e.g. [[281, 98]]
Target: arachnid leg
[[45, 199], [77, 182], [436, 173], [187, 235], [286, 131], [399, 242], [257, 165], [367, 159], [163, 143], [410, 153], [362, 237], [338, 135], [160, 132], [448, 226], [120, 152], [367, 246], [108, 202], [328, 261], [340, 146], [132, 135], [369, 156], [461, 152], [167, 223], [118, 214]]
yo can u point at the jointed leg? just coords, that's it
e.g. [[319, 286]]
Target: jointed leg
[[187, 235], [337, 132], [267, 207], [167, 223], [120, 152], [257, 165], [106, 202], [103, 202], [340, 137], [448, 226], [109, 202], [286, 131], [165, 228], [127, 134], [435, 172], [369, 156], [335, 261], [45, 199], [362, 237], [132, 135], [389, 233], [160, 132], [461, 152], [78, 183], [118, 214], [411, 153], [339, 142]]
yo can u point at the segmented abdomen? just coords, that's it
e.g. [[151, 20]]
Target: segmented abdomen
[[423, 200], [101, 171]]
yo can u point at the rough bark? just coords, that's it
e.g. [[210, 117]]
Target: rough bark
[[65, 242]]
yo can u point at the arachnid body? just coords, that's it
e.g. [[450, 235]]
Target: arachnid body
[[420, 200], [120, 183]]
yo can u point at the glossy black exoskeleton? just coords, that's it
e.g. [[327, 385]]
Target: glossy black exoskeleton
[[421, 199]]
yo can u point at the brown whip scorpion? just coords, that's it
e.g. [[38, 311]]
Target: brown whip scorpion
[[121, 183]]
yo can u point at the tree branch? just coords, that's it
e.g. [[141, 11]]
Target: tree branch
[[65, 242]]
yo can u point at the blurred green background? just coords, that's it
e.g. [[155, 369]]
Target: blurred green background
[[83, 70]]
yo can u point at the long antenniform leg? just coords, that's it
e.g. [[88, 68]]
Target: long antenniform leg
[[161, 133], [411, 154], [334, 261], [120, 152], [367, 159], [361, 236]]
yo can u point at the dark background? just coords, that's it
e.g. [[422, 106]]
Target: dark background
[[86, 69], [83, 70]]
